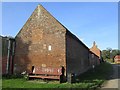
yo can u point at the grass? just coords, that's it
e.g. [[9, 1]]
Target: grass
[[110, 60], [96, 76], [100, 72], [90, 79]]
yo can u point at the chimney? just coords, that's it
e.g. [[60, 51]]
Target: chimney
[[94, 44]]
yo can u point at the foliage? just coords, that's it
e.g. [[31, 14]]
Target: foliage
[[109, 53], [105, 54], [110, 60], [90, 79], [12, 76]]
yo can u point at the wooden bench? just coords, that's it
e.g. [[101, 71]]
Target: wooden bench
[[46, 73]]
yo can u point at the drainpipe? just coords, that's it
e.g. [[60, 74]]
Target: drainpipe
[[13, 53], [8, 57]]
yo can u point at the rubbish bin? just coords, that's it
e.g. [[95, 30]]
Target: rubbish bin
[[71, 78]]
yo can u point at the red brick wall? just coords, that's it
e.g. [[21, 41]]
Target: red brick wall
[[32, 43], [4, 65]]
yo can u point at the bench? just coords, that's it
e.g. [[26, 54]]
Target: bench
[[46, 73]]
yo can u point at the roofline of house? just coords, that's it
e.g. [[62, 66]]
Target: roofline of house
[[8, 38]]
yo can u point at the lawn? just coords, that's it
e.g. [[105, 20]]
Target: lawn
[[90, 79]]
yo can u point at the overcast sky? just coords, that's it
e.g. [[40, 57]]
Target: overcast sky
[[88, 21]]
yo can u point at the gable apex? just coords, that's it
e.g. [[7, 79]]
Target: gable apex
[[40, 19]]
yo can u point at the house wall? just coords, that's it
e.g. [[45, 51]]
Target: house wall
[[77, 55], [95, 50], [7, 55], [4, 54], [94, 59], [91, 59], [41, 43]]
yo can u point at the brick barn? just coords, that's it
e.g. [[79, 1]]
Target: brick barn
[[44, 42]]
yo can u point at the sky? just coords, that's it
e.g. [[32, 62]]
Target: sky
[[89, 21]]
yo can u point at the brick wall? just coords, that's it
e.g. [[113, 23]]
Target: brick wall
[[4, 54], [5, 61], [4, 65], [41, 42], [77, 55], [94, 59], [44, 42]]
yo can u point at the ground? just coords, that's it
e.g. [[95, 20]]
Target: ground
[[90, 79], [114, 80]]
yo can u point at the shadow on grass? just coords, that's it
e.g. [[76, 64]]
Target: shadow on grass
[[97, 75], [12, 76]]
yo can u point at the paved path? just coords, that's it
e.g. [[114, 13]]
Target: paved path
[[114, 81]]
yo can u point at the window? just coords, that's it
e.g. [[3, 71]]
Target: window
[[49, 48]]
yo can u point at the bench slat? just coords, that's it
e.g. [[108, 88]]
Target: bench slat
[[48, 70]]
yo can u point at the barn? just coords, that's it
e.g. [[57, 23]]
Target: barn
[[44, 42]]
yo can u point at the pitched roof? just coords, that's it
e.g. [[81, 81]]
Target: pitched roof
[[38, 13], [95, 46]]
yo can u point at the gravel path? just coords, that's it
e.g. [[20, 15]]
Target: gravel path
[[114, 81]]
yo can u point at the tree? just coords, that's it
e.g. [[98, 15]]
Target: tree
[[105, 54], [109, 53]]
